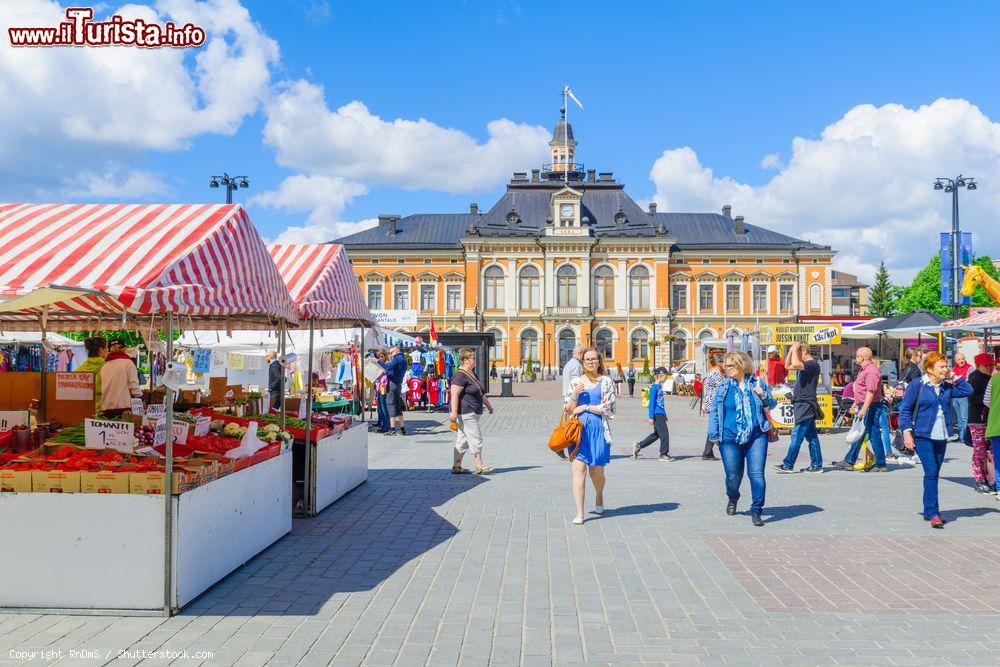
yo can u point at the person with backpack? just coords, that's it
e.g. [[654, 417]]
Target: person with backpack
[[925, 417], [657, 418]]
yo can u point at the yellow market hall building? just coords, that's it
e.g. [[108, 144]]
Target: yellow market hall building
[[566, 256]]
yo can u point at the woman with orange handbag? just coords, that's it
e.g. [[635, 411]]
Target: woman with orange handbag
[[591, 399], [467, 401]]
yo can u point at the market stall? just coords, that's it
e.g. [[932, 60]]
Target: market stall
[[321, 282], [113, 525]]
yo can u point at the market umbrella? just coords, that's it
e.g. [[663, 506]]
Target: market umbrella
[[909, 323]]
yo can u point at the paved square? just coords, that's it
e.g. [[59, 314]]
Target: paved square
[[419, 566]]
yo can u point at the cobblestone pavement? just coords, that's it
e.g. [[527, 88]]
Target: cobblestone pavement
[[419, 566]]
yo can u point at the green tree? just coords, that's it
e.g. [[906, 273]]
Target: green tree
[[925, 290], [880, 295]]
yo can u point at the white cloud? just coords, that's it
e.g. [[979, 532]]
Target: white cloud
[[321, 233], [863, 187], [323, 196], [353, 143], [771, 161], [116, 183], [65, 108]]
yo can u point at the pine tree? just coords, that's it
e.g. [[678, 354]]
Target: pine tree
[[880, 294]]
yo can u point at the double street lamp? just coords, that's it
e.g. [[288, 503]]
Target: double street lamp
[[231, 183], [952, 186]]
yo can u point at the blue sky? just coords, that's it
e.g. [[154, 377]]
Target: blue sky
[[732, 81]]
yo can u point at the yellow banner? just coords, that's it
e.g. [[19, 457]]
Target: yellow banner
[[814, 334]]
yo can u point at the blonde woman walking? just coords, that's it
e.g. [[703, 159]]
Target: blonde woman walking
[[591, 398], [467, 401]]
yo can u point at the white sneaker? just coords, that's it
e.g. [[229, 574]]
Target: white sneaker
[[906, 460], [599, 509], [578, 520]]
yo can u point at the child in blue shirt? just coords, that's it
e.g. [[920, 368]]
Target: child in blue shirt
[[658, 418]]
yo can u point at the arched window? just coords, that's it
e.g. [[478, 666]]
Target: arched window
[[497, 351], [815, 297], [640, 344], [605, 344], [530, 291], [638, 288], [679, 347], [493, 288], [604, 288], [529, 345], [705, 335], [567, 341], [566, 286]]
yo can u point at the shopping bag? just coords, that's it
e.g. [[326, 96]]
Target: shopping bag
[[866, 458], [857, 431]]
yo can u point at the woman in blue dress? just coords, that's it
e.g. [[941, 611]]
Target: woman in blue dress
[[591, 398]]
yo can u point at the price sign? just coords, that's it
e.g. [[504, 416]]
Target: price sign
[[137, 407], [302, 405], [202, 425], [156, 411], [783, 414], [100, 434], [159, 430], [11, 418], [180, 431]]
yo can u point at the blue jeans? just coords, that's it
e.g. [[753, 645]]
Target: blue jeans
[[751, 456], [995, 441], [960, 406], [382, 411], [805, 430], [883, 425], [874, 420], [931, 454]]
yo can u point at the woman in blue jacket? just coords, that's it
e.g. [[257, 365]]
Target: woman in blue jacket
[[925, 418], [737, 423]]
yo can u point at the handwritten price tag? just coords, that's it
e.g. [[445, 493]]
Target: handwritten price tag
[[156, 411], [11, 418], [202, 425], [159, 430], [180, 431], [137, 407], [99, 434]]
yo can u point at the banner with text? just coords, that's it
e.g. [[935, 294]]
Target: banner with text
[[395, 319], [827, 333]]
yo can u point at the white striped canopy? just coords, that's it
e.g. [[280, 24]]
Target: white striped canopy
[[319, 279], [987, 318], [199, 261]]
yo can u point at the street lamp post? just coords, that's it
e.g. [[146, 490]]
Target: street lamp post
[[231, 183], [952, 186]]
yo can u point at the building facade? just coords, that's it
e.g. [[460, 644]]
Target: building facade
[[566, 256], [850, 295]]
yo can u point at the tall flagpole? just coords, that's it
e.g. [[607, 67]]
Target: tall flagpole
[[565, 135]]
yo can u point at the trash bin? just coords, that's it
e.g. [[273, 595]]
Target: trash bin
[[506, 385]]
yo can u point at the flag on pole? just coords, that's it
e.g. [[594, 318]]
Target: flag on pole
[[573, 97], [433, 335]]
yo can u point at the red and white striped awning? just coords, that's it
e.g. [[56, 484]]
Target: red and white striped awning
[[987, 318], [200, 261], [320, 280]]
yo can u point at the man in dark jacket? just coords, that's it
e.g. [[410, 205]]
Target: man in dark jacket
[[273, 379], [395, 370]]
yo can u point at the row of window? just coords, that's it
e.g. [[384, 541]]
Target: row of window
[[529, 293], [529, 288], [427, 295], [603, 342]]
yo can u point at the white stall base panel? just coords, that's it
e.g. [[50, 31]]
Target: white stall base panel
[[341, 464], [81, 551], [224, 524]]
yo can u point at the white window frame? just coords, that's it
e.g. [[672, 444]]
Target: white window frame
[[396, 287], [493, 294], [573, 282], [673, 299], [791, 298], [371, 289], [450, 289], [753, 298], [725, 298], [534, 287], [433, 293], [643, 283], [712, 286]]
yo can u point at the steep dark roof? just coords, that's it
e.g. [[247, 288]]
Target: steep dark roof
[[702, 229], [561, 130], [423, 230], [601, 202]]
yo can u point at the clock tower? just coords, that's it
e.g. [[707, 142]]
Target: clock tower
[[563, 150]]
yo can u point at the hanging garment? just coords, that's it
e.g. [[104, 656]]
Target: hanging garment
[[432, 390], [442, 391], [449, 365], [344, 372], [414, 390]]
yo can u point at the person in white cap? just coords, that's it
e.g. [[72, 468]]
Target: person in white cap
[[776, 371]]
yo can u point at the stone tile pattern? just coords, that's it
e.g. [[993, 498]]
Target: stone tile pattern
[[863, 574]]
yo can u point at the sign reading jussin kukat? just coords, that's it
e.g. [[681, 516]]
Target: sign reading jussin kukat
[[814, 334]]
